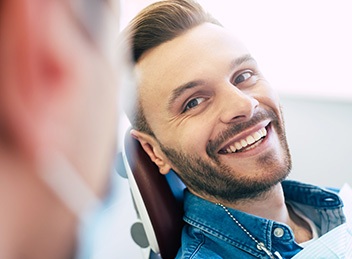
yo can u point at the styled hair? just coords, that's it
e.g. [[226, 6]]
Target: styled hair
[[154, 25]]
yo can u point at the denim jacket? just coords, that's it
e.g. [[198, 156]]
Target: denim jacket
[[211, 233]]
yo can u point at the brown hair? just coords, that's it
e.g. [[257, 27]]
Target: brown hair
[[156, 24]]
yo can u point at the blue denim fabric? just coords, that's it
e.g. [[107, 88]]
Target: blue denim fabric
[[210, 233]]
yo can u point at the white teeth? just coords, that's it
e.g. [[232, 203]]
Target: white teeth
[[243, 143], [238, 145], [257, 136], [250, 140]]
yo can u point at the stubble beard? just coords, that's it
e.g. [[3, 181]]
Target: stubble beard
[[217, 181]]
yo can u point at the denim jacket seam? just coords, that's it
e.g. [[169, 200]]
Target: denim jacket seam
[[198, 247], [201, 221], [251, 249]]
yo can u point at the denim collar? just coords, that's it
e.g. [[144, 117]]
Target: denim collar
[[321, 206]]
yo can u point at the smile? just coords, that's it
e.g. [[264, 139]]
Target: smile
[[246, 143]]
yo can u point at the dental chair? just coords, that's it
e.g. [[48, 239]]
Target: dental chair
[[158, 202]]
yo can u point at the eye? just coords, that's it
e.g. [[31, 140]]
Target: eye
[[242, 77], [193, 103]]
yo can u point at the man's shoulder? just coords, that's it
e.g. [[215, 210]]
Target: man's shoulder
[[199, 243], [195, 245], [312, 195]]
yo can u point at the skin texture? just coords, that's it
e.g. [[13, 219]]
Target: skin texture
[[202, 92], [58, 99], [197, 109]]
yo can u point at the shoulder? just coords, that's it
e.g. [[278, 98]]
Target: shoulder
[[195, 245]]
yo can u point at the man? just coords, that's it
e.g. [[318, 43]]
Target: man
[[205, 110], [58, 115]]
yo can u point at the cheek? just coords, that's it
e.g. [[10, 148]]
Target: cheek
[[191, 137], [196, 136]]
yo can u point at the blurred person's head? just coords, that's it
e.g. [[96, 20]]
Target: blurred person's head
[[58, 111], [203, 107]]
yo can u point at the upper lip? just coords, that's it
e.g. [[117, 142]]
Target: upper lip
[[244, 134]]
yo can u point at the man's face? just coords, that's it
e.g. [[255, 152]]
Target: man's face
[[215, 118]]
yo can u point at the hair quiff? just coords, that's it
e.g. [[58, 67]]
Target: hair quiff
[[156, 24]]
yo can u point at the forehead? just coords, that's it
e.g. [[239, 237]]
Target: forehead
[[201, 53]]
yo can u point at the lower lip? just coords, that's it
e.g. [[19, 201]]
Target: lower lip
[[263, 145]]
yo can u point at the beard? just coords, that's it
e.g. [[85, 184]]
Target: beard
[[211, 178]]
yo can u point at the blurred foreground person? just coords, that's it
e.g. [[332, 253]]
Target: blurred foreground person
[[58, 116]]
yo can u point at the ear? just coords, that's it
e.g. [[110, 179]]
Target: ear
[[152, 148]]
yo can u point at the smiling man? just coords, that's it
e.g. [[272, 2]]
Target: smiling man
[[205, 110]]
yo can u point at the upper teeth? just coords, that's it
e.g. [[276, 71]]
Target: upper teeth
[[246, 141]]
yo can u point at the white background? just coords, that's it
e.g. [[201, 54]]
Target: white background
[[304, 47]]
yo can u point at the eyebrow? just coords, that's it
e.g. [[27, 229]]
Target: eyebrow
[[239, 61], [176, 93]]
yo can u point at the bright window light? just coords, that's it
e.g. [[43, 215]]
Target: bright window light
[[303, 47]]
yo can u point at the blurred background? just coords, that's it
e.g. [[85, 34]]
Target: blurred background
[[304, 50]]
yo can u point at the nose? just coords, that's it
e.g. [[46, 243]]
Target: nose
[[236, 105]]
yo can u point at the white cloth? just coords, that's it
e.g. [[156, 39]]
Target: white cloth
[[335, 244], [338, 242]]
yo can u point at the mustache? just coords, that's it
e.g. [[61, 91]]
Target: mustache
[[214, 145]]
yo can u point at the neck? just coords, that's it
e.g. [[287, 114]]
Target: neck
[[259, 206], [271, 205], [34, 223]]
